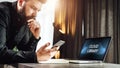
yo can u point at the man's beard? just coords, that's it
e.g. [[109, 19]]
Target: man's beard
[[23, 15]]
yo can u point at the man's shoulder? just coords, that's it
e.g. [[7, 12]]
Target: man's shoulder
[[5, 11], [5, 8], [5, 5]]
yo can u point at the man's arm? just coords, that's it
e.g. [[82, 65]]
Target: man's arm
[[7, 55]]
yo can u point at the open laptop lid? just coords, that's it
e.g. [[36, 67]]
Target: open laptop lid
[[94, 48]]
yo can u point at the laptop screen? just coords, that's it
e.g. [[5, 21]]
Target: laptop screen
[[94, 48]]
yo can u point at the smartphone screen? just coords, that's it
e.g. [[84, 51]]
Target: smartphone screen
[[59, 44]]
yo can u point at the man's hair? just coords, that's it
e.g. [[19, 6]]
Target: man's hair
[[42, 1]]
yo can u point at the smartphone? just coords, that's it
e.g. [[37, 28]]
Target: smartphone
[[58, 44]]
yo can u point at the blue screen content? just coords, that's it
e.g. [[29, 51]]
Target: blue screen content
[[94, 48]]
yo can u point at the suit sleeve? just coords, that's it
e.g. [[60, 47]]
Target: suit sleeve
[[8, 55]]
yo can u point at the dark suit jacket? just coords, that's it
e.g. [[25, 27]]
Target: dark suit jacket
[[14, 32]]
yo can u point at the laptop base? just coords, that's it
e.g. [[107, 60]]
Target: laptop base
[[84, 61]]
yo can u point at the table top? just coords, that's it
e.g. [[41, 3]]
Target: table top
[[68, 65]]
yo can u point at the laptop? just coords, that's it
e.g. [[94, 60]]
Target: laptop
[[93, 50]]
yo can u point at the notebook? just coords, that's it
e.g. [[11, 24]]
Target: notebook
[[93, 50], [55, 61]]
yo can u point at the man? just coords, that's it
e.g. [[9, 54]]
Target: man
[[19, 32]]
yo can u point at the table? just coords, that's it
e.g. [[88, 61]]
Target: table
[[68, 65]]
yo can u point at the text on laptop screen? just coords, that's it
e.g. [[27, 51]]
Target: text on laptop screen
[[94, 48]]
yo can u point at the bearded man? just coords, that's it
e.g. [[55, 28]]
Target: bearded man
[[20, 32]]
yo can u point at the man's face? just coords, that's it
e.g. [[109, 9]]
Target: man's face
[[30, 9]]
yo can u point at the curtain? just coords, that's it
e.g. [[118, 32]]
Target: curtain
[[102, 18], [117, 30], [68, 26], [80, 19]]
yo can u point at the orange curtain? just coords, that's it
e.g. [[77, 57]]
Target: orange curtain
[[68, 19]]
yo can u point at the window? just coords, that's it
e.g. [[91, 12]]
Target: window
[[46, 19]]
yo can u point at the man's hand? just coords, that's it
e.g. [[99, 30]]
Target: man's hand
[[34, 27], [44, 54]]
